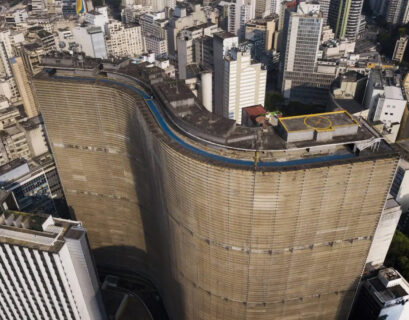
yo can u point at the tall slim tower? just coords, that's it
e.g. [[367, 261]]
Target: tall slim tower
[[400, 48], [222, 43], [24, 87], [324, 7], [239, 12], [244, 83], [344, 18], [230, 222], [300, 79]]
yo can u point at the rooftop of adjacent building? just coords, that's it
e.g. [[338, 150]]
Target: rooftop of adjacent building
[[224, 35], [15, 172], [201, 26], [32, 46], [383, 77], [262, 21], [254, 111], [352, 76], [13, 164], [37, 231], [94, 29], [394, 93], [190, 118], [388, 287]]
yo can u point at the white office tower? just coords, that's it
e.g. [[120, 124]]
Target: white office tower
[[158, 5], [245, 83], [384, 234], [91, 41], [301, 78], [46, 270], [98, 17], [239, 12], [222, 43]]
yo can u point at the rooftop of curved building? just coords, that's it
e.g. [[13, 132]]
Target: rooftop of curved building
[[305, 139]]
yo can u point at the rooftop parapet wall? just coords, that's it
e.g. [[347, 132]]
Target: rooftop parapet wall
[[194, 121], [192, 126]]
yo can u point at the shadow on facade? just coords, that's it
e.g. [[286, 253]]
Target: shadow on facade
[[345, 305], [148, 173], [132, 279]]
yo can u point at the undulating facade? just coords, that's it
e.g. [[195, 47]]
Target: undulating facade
[[263, 226]]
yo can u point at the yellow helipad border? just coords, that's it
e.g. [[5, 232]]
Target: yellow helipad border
[[282, 120]]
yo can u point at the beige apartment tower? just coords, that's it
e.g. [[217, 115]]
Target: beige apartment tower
[[278, 229], [23, 85]]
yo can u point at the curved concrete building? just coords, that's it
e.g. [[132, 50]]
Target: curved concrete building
[[229, 222]]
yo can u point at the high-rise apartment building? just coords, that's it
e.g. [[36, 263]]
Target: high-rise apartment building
[[98, 17], [263, 8], [244, 83], [24, 86], [239, 12], [231, 222], [400, 48], [396, 12], [300, 77], [47, 270], [180, 20], [222, 43], [262, 31], [124, 40], [8, 84], [324, 8], [154, 31], [186, 45], [344, 18], [31, 54]]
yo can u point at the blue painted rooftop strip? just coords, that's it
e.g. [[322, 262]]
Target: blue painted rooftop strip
[[165, 128]]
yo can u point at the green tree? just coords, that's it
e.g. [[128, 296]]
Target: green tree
[[97, 3], [273, 101], [295, 108], [398, 254]]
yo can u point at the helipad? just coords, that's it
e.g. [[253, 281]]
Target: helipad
[[321, 126]]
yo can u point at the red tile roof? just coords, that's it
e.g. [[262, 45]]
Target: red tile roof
[[254, 111]]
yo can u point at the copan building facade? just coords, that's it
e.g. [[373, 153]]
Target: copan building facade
[[229, 222]]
